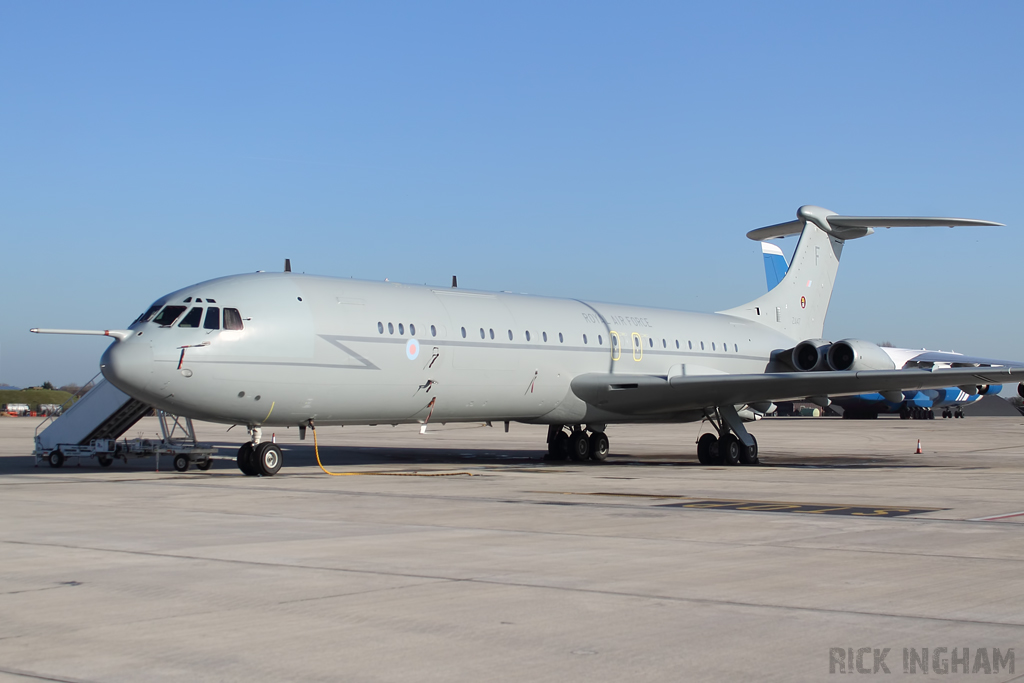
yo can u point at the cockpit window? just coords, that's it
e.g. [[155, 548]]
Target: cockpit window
[[194, 317], [212, 318], [169, 315], [232, 319], [148, 315]]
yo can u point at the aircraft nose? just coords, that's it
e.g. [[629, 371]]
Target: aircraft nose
[[128, 365]]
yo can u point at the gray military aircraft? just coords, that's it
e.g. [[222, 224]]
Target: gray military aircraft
[[283, 349]]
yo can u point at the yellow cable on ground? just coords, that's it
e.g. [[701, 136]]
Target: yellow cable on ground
[[316, 449]]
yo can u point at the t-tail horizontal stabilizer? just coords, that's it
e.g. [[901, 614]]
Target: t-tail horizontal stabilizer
[[797, 305], [852, 227]]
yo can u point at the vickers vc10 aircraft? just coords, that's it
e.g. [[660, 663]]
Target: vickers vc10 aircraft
[[284, 349]]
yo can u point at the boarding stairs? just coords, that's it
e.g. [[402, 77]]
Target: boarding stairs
[[90, 427]]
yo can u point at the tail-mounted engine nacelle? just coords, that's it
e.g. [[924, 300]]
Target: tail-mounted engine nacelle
[[809, 355], [856, 354]]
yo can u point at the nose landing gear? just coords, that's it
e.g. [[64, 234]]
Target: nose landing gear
[[255, 458]]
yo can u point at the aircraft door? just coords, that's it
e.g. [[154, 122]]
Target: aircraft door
[[616, 345], [638, 346]]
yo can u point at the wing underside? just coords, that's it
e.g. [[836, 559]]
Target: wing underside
[[651, 395]]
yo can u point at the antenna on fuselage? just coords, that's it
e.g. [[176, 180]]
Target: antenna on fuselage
[[455, 281], [287, 265]]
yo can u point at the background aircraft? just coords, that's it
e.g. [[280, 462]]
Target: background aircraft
[[284, 349], [918, 405]]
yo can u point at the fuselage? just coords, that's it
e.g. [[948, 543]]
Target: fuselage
[[342, 351]]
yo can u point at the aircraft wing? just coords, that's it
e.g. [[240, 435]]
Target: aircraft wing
[[943, 357], [651, 394]]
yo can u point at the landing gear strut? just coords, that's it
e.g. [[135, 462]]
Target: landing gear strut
[[255, 458], [577, 445], [733, 445]]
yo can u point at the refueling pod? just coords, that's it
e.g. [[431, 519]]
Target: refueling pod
[[857, 354]]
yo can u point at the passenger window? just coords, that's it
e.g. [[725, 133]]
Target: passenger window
[[148, 315], [545, 335], [401, 328], [412, 330], [232, 319], [651, 340], [527, 335], [677, 343], [510, 335], [584, 339], [380, 328], [433, 331], [689, 345], [212, 318], [492, 333], [736, 348], [169, 315], [391, 328], [482, 335], [463, 332], [702, 346], [713, 346], [194, 317], [664, 344], [560, 340], [600, 342]]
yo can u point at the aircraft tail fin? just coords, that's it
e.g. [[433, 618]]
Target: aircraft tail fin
[[797, 305]]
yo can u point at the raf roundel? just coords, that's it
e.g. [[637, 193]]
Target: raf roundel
[[412, 349]]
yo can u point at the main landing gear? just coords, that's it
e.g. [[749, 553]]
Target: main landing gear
[[919, 413], [255, 458], [576, 444], [950, 413], [733, 445]]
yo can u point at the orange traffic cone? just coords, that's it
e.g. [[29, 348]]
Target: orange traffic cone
[[918, 451]]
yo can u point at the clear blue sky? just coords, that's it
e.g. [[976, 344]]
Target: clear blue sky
[[610, 151]]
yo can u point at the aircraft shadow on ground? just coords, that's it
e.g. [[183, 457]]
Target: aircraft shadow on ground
[[339, 457]]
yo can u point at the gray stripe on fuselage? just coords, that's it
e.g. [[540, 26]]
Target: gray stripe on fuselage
[[334, 339], [538, 347]]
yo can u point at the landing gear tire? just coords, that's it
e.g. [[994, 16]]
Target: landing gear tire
[[56, 459], [729, 449], [707, 449], [599, 446], [245, 460], [558, 448], [104, 462], [579, 447], [748, 454], [267, 458], [204, 464], [181, 463]]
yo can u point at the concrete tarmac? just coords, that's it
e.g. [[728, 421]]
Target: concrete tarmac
[[647, 568]]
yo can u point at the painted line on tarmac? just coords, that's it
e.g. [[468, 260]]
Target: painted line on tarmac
[[803, 508], [770, 505], [994, 518]]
